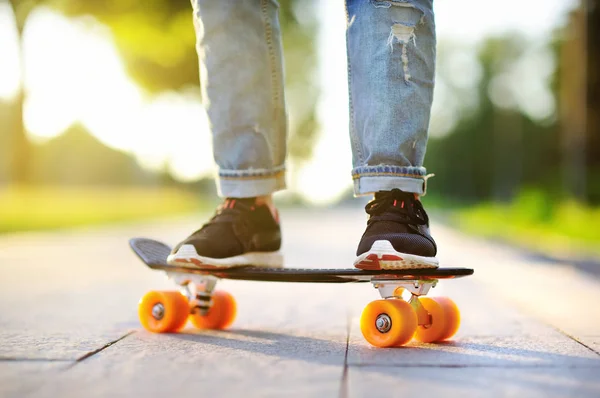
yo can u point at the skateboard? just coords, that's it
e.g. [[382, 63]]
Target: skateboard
[[388, 322]]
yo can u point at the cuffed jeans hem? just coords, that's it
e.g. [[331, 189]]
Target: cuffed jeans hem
[[370, 179], [248, 186]]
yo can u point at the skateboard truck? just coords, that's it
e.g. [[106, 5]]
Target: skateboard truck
[[393, 288], [198, 289]]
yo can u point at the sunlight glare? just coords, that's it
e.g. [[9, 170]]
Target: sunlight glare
[[82, 78], [74, 73], [328, 173], [471, 21], [175, 128]]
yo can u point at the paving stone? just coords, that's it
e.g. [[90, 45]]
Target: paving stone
[[525, 351], [20, 379], [556, 294], [522, 318], [37, 346], [493, 332], [543, 382], [593, 342], [221, 364]]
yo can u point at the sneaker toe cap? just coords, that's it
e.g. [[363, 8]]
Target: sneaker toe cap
[[211, 248], [402, 242]]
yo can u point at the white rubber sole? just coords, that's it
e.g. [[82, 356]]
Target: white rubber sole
[[383, 256], [187, 255]]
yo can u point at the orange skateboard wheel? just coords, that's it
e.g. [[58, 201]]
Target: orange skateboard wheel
[[220, 315], [452, 317], [388, 323], [163, 312], [445, 319]]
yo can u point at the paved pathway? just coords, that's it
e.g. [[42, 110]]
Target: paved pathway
[[68, 323]]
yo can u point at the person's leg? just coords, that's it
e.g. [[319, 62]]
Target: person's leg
[[241, 73], [391, 67]]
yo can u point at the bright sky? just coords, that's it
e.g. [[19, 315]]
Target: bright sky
[[172, 129]]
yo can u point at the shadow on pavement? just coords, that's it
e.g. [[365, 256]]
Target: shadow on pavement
[[464, 354], [285, 346], [467, 365]]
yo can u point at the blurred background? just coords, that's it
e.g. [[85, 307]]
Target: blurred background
[[101, 118]]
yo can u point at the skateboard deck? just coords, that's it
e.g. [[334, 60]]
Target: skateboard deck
[[154, 255], [390, 322]]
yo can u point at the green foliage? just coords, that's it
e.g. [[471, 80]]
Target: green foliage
[[492, 152], [37, 208], [155, 38], [78, 158], [537, 221], [300, 70], [533, 207]]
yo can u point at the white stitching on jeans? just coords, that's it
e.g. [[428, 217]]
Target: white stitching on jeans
[[354, 138], [274, 80]]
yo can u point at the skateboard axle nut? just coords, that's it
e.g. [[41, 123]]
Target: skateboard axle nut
[[383, 323], [158, 311]]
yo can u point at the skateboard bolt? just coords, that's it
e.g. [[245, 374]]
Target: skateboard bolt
[[383, 323], [158, 311]]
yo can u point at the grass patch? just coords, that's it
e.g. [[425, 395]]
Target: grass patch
[[38, 208], [534, 221]]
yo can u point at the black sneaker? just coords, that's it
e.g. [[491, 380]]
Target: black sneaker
[[397, 234], [240, 233]]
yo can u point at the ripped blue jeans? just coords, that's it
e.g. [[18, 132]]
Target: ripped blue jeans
[[391, 49]]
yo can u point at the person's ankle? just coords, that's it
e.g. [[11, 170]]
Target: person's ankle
[[267, 200], [263, 200], [416, 195]]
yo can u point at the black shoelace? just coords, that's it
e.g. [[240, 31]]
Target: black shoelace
[[398, 206]]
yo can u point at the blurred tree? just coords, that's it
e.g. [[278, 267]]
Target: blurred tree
[[495, 149], [6, 114], [572, 104], [497, 57], [78, 158], [498, 150], [593, 101], [299, 23], [155, 38], [157, 43], [20, 155], [580, 102]]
